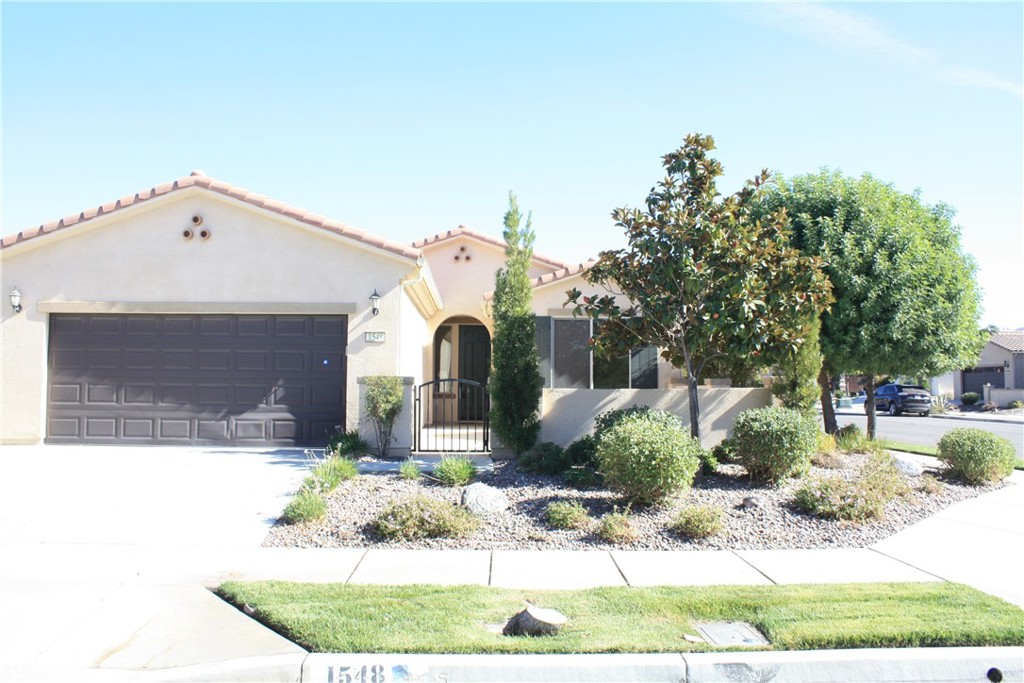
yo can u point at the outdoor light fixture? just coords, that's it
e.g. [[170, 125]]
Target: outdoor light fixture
[[16, 300], [374, 302]]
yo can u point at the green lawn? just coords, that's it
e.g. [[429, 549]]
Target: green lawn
[[443, 619], [928, 450]]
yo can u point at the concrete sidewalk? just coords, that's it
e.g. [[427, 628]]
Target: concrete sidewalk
[[97, 608]]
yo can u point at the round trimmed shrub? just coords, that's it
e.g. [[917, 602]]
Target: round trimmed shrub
[[605, 421], [976, 456], [969, 398], [567, 514], [698, 521], [647, 459], [582, 451], [775, 443]]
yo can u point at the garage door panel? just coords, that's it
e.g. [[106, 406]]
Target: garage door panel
[[275, 380]]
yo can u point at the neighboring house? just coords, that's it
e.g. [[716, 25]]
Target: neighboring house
[[201, 313], [1000, 365]]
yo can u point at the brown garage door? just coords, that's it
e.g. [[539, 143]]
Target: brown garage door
[[241, 380]]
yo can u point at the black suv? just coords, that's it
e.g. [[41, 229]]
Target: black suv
[[899, 398]]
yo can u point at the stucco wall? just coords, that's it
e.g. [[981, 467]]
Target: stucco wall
[[569, 414], [253, 262]]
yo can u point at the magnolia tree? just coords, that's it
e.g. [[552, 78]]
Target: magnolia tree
[[905, 299], [703, 279]]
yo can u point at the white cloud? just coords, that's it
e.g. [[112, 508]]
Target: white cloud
[[839, 28]]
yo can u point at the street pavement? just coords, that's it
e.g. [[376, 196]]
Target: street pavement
[[926, 431], [108, 559]]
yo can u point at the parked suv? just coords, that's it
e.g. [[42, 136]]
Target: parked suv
[[898, 398]]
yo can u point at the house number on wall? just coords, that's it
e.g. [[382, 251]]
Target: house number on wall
[[374, 336]]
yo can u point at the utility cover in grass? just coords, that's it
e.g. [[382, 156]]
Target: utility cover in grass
[[732, 633]]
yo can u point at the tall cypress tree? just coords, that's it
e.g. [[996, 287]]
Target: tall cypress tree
[[515, 382]]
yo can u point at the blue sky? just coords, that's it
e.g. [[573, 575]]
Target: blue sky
[[407, 120]]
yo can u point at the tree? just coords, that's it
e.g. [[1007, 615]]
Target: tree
[[797, 383], [515, 385], [905, 298], [701, 278]]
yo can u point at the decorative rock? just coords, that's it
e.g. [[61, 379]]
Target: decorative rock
[[908, 466], [535, 621], [749, 502], [481, 499]]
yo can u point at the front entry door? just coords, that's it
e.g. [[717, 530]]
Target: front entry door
[[475, 366]]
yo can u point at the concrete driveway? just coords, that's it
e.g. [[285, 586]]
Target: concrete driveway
[[106, 550], [143, 496]]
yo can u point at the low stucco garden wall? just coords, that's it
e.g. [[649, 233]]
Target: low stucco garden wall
[[569, 413]]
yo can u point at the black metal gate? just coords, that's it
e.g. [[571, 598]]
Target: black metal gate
[[452, 416]]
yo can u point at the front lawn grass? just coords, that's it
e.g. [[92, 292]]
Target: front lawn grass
[[455, 619]]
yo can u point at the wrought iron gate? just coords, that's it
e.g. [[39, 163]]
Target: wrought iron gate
[[452, 416]]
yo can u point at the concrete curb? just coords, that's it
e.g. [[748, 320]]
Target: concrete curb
[[924, 665], [1001, 420]]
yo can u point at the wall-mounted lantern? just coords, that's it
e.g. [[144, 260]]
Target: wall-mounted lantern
[[375, 302], [16, 300]]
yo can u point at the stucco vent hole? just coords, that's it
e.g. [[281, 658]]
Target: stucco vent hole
[[197, 220], [205, 234], [187, 234]]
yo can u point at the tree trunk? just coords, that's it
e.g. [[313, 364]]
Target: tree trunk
[[534, 621], [828, 412], [869, 404], [691, 386]]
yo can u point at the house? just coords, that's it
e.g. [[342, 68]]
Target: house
[[999, 371], [197, 313]]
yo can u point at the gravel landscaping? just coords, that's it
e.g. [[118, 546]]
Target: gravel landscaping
[[768, 521]]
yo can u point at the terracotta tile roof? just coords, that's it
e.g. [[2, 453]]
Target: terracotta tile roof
[[557, 275], [200, 179], [463, 230], [1011, 341]]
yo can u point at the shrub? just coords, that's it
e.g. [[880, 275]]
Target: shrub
[[1016, 404], [605, 421], [828, 461], [725, 452], [307, 505], [583, 478], [976, 456], [564, 514], [616, 527], [929, 485], [544, 458], [409, 470], [708, 462], [646, 458], [861, 500], [422, 517], [775, 443], [698, 521], [969, 398], [329, 474], [384, 398], [826, 444], [582, 451], [454, 471], [345, 443]]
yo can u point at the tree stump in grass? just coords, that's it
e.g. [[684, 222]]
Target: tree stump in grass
[[535, 621]]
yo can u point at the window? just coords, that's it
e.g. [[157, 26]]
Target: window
[[443, 352], [566, 363]]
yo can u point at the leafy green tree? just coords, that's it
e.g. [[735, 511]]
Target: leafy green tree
[[701, 278], [905, 296], [797, 383], [515, 385]]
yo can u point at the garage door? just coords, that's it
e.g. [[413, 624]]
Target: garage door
[[976, 378], [243, 380]]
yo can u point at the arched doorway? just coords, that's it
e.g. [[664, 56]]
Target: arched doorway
[[452, 408]]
